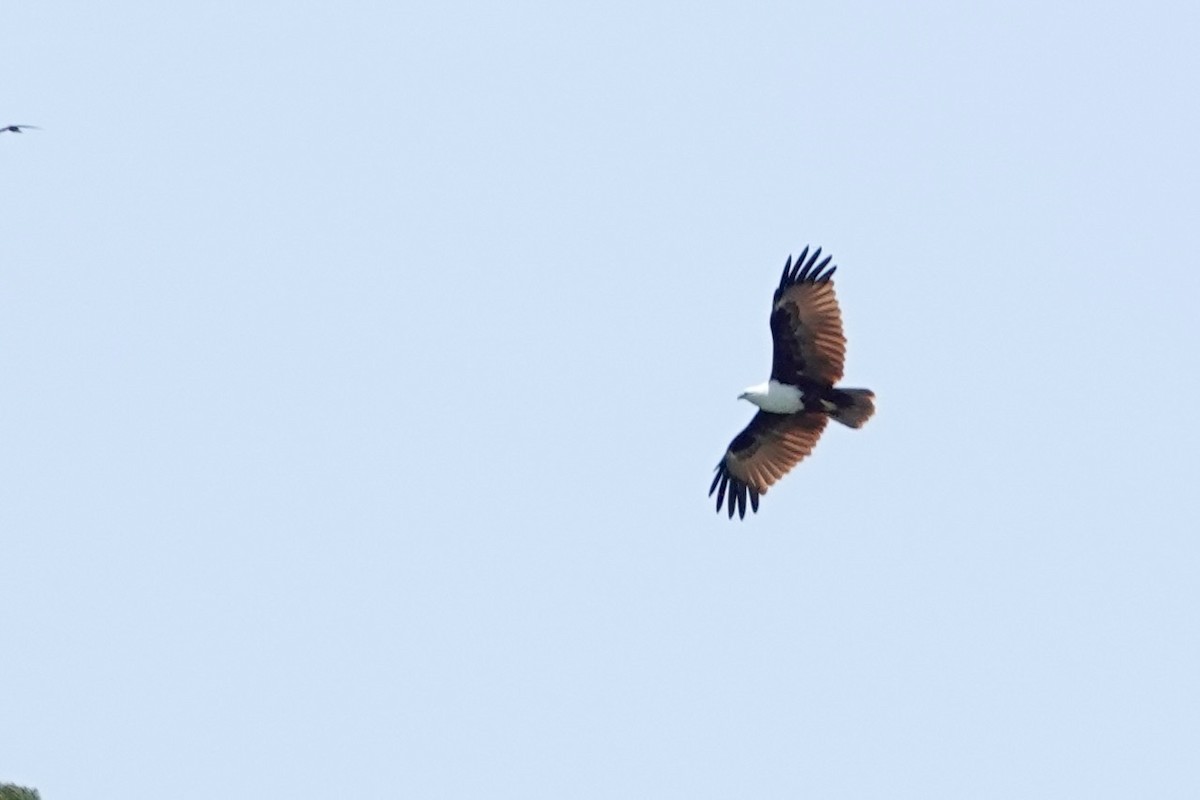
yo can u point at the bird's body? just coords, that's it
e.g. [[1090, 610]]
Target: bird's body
[[801, 396], [18, 128]]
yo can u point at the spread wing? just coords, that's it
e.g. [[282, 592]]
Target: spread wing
[[806, 324], [763, 453]]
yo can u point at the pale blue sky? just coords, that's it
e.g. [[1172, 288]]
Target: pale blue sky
[[364, 366]]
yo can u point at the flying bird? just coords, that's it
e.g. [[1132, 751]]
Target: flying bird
[[18, 128], [800, 396]]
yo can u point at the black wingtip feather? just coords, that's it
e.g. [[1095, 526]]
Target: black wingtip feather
[[816, 254], [798, 264], [805, 269], [733, 495], [806, 274]]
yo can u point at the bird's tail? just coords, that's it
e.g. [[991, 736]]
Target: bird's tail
[[855, 406]]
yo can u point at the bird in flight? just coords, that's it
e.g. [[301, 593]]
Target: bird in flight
[[800, 397], [18, 128]]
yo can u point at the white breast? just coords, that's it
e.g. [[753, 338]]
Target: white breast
[[780, 398]]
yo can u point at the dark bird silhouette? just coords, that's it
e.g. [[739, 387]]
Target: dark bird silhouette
[[18, 128], [801, 395]]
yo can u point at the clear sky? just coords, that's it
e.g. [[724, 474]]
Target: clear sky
[[363, 367]]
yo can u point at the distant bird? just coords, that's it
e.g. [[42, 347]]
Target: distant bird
[[18, 128], [800, 397]]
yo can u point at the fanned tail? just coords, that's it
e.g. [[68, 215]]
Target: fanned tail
[[855, 406]]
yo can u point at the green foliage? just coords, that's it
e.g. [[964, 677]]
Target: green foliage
[[10, 792]]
